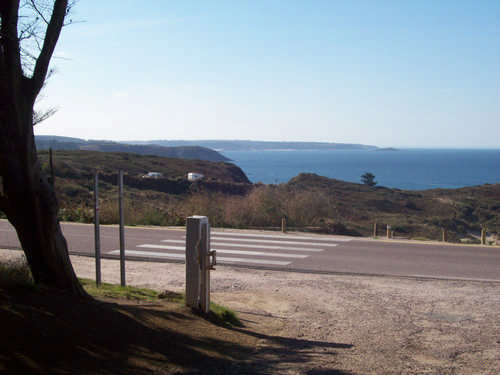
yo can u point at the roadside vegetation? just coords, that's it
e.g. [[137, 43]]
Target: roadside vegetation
[[308, 202], [17, 275], [121, 330]]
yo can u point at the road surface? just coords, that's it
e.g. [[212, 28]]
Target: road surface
[[294, 252]]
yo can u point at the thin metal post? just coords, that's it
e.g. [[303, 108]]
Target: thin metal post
[[121, 229], [96, 231], [52, 178]]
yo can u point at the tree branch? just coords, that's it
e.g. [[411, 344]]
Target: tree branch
[[51, 36], [38, 116], [40, 14]]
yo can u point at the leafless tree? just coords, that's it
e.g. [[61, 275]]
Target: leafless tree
[[29, 31]]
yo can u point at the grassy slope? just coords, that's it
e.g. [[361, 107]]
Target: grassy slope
[[308, 200], [76, 164], [411, 213], [147, 199]]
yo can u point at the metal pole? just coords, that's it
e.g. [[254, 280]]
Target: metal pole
[[96, 231], [122, 230], [52, 179]]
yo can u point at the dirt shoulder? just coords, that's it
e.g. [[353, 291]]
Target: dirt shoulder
[[336, 324]]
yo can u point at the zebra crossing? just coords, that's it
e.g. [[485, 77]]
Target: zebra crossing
[[241, 248]]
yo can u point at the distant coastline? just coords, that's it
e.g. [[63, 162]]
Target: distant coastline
[[73, 144], [246, 145], [60, 142]]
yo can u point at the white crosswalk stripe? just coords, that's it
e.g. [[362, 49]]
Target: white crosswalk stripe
[[153, 254], [151, 246], [282, 236], [273, 247], [245, 248], [215, 238], [229, 251], [181, 256]]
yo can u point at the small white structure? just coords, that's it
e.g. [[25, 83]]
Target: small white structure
[[153, 175], [194, 176]]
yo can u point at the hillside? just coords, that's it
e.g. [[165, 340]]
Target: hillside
[[148, 200], [461, 212], [309, 202], [76, 164], [75, 144]]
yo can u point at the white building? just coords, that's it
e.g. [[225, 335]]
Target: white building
[[153, 175], [194, 176]]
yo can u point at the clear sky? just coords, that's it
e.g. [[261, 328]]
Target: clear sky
[[386, 73]]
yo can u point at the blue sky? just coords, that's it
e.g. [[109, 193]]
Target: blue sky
[[387, 73]]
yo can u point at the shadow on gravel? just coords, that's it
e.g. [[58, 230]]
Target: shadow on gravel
[[46, 332]]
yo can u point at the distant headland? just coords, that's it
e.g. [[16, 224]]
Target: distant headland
[[246, 145], [201, 149], [74, 144]]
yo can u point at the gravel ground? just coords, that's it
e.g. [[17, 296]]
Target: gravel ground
[[353, 324]]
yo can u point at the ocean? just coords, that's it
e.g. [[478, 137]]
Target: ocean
[[409, 169]]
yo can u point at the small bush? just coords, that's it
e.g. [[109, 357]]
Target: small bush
[[15, 273], [224, 316]]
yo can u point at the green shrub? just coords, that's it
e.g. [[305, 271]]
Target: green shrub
[[15, 273]]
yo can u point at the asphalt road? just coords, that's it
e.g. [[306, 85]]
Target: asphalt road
[[294, 252]]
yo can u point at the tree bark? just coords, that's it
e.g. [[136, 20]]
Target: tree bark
[[28, 199], [32, 207]]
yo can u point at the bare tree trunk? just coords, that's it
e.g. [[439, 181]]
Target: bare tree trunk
[[31, 206], [28, 199]]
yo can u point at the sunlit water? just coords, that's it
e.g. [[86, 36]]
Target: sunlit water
[[412, 169]]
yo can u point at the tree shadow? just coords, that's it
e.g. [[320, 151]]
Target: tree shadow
[[45, 332]]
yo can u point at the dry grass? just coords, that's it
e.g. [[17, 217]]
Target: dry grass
[[309, 202]]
